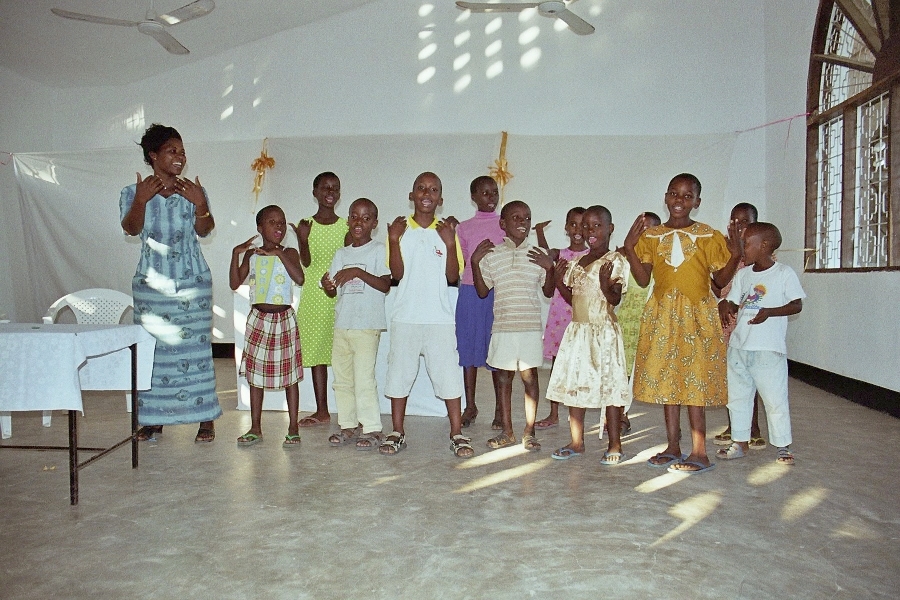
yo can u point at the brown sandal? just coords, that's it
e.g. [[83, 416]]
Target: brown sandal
[[147, 433]]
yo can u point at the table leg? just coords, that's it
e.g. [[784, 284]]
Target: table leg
[[134, 407], [73, 457]]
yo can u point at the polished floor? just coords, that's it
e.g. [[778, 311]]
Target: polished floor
[[218, 521]]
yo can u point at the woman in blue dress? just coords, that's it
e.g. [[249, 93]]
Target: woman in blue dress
[[172, 288]]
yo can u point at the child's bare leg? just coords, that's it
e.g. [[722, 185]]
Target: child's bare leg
[[320, 390], [454, 413], [697, 417], [532, 390], [553, 418], [576, 429], [256, 402], [504, 400], [754, 424], [292, 392], [398, 413], [673, 435], [470, 377], [613, 420]]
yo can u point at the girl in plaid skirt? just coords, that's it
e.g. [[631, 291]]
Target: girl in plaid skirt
[[271, 358]]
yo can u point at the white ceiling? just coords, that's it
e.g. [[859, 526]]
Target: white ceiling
[[64, 53]]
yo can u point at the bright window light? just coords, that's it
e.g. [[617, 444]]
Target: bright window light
[[461, 38], [425, 10], [493, 26], [460, 61], [494, 70], [527, 14], [529, 35], [530, 58], [427, 51], [425, 75], [462, 83], [493, 48], [226, 113], [425, 34]]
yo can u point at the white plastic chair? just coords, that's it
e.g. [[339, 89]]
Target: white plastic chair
[[95, 306]]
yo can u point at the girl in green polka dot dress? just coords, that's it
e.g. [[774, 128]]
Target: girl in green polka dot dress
[[319, 237]]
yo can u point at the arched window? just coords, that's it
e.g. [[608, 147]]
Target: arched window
[[853, 136]]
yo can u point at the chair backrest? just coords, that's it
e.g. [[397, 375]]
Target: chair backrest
[[96, 306]]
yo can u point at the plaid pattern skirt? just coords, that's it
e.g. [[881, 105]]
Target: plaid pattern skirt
[[272, 358]]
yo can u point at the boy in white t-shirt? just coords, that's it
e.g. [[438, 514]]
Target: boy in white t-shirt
[[763, 295], [360, 278], [425, 259]]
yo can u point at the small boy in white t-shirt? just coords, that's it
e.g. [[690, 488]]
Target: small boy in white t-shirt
[[360, 278], [763, 295]]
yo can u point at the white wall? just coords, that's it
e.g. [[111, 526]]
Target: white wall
[[653, 68]]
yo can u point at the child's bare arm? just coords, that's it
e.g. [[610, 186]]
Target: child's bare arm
[[791, 308], [543, 260], [726, 274], [542, 240], [382, 284], [395, 259], [727, 312], [612, 290], [559, 273], [302, 230], [641, 271], [447, 230], [239, 269], [479, 253]]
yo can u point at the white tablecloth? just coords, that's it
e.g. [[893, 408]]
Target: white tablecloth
[[45, 367]]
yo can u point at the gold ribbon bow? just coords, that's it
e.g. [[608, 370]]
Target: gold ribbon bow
[[263, 163], [499, 171]]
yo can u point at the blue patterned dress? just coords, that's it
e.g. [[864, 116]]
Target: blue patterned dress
[[172, 290]]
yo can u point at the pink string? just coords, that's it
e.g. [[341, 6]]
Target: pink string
[[789, 119]]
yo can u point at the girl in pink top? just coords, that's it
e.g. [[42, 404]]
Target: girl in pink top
[[560, 314]]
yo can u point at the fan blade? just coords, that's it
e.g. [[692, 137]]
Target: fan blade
[[91, 18], [575, 23], [188, 12], [158, 32], [497, 7]]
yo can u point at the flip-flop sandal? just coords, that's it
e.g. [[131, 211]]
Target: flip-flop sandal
[[565, 454], [546, 424], [701, 467], [611, 459], [291, 440], [671, 459], [312, 421], [248, 439]]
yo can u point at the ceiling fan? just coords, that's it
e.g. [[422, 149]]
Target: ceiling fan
[[555, 9], [153, 24]]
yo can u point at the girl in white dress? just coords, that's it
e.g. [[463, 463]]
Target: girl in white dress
[[590, 367]]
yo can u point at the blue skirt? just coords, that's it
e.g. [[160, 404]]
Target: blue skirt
[[474, 320], [183, 386]]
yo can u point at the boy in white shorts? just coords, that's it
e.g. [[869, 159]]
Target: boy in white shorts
[[425, 258], [516, 270]]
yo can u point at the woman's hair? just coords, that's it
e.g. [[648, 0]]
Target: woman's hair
[[155, 136]]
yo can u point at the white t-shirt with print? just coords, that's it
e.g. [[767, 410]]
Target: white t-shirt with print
[[753, 290]]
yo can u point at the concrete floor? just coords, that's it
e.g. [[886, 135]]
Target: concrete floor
[[218, 521]]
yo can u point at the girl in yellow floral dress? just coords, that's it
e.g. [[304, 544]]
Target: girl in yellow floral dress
[[681, 354]]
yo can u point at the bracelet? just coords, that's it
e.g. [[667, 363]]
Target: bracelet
[[203, 216]]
